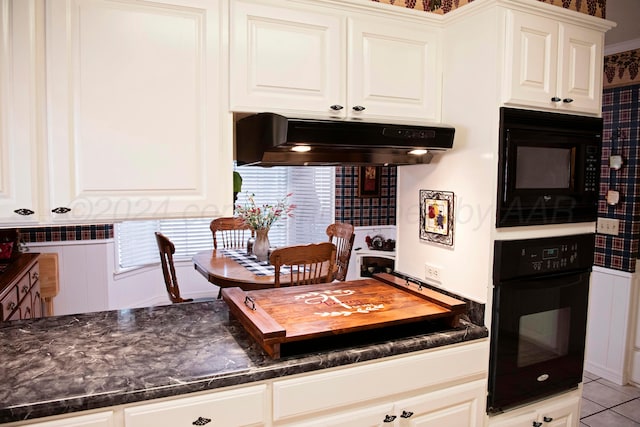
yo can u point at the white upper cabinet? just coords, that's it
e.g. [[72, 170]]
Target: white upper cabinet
[[133, 96], [393, 70], [311, 62], [19, 169], [285, 59], [552, 65]]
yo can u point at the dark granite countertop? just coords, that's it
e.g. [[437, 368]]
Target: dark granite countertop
[[71, 363]]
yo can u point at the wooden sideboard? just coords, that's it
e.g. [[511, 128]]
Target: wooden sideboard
[[20, 295]]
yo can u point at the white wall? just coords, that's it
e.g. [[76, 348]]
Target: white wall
[[469, 170], [88, 281], [471, 103]]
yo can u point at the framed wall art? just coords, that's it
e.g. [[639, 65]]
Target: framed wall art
[[369, 181], [436, 217]]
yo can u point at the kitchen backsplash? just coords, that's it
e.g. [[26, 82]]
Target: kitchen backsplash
[[67, 233], [365, 211]]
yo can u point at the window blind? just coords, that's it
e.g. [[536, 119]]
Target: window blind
[[313, 193]]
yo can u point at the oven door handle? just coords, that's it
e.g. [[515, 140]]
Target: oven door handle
[[550, 280]]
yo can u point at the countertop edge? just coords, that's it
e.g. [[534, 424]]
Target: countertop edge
[[295, 365]]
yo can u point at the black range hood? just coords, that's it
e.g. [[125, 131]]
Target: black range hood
[[268, 139]]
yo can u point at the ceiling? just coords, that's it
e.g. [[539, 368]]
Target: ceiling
[[626, 36]]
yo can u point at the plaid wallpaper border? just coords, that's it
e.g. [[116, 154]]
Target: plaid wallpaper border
[[370, 210], [621, 114], [590, 7], [66, 233]]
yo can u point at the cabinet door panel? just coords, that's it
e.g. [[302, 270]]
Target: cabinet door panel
[[9, 302], [372, 416], [19, 169], [564, 413], [134, 119], [462, 405], [581, 53], [343, 387], [242, 407], [393, 70], [36, 301], [102, 419], [285, 59], [531, 60]]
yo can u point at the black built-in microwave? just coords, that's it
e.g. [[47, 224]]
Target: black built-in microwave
[[549, 168]]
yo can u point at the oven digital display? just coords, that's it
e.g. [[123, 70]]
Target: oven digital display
[[551, 253]]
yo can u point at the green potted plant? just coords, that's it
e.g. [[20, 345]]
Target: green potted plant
[[237, 185]]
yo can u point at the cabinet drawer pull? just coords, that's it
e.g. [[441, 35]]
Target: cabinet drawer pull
[[358, 108], [201, 421], [25, 289], [24, 212], [11, 306], [547, 419], [336, 107], [406, 414], [555, 99], [537, 424], [567, 100], [61, 210], [35, 275], [389, 418]]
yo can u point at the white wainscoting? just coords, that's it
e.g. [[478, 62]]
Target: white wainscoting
[[610, 325], [88, 281]]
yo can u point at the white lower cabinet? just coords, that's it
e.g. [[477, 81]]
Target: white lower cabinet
[[443, 387], [462, 405], [438, 388], [245, 406], [560, 411], [100, 419], [456, 406]]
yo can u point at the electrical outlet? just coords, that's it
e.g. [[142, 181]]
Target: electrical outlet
[[432, 272], [608, 226]]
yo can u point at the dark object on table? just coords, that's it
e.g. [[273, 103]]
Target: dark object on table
[[9, 245], [379, 243]]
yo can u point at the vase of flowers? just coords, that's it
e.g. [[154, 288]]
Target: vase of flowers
[[261, 244], [261, 218]]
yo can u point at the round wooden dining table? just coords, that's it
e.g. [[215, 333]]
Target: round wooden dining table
[[226, 272]]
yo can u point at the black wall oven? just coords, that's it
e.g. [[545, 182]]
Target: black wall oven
[[539, 318], [549, 168]]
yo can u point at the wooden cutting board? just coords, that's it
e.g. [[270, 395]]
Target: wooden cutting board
[[282, 315]]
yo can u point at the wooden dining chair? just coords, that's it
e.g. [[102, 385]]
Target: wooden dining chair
[[307, 264], [342, 235], [230, 233], [167, 249]]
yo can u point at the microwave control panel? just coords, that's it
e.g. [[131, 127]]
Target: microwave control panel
[[540, 256], [592, 163]]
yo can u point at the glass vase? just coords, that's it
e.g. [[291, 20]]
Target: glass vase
[[261, 245]]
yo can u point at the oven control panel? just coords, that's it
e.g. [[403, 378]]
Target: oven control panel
[[550, 255]]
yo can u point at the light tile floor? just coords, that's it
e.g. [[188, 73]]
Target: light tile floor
[[605, 404]]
